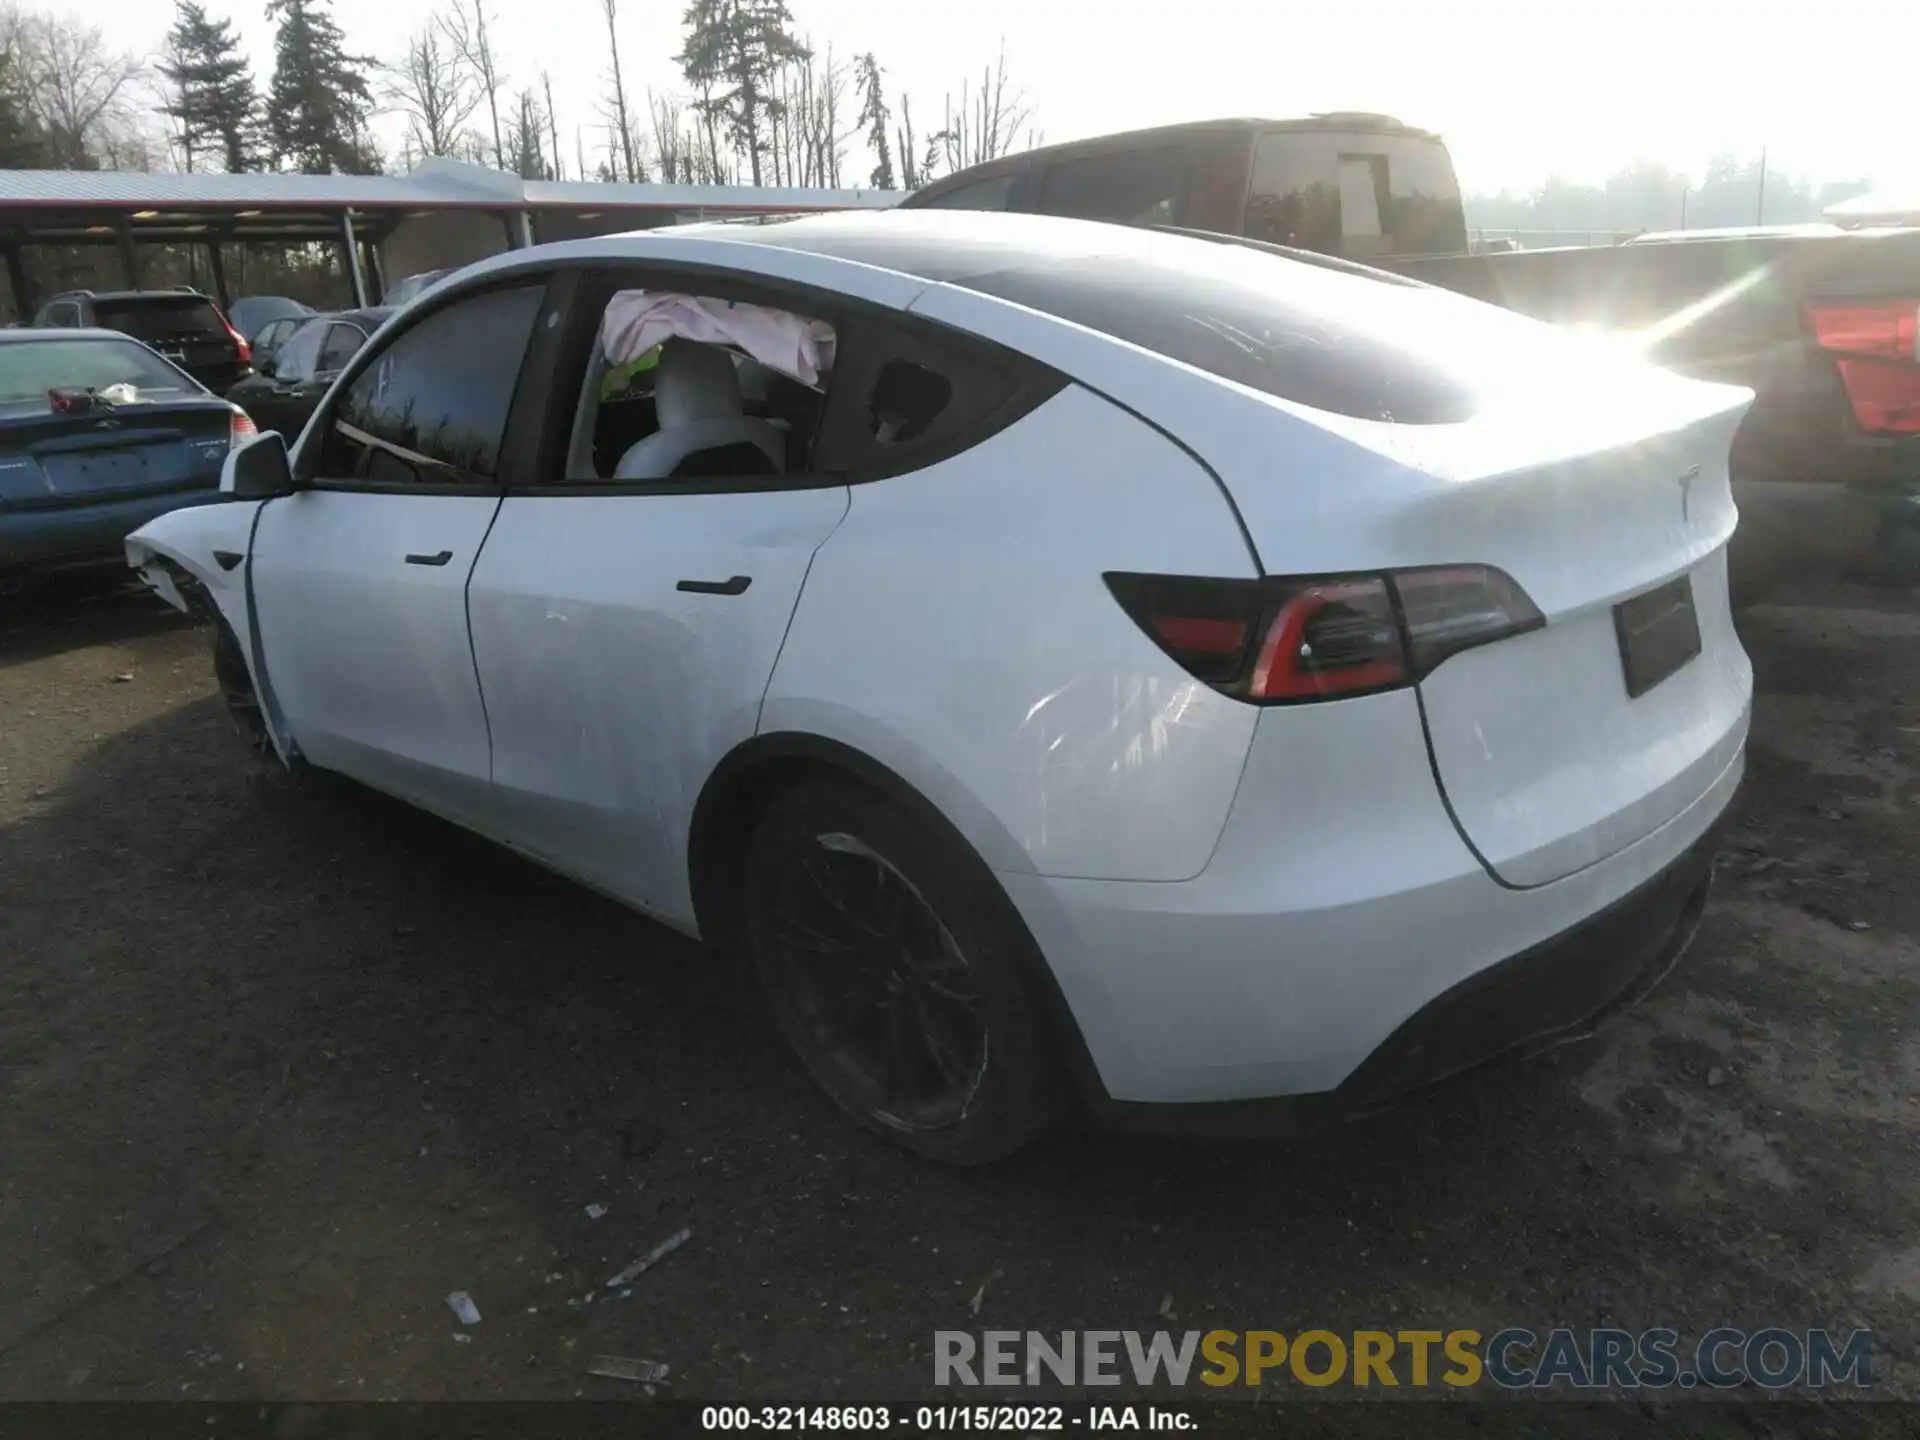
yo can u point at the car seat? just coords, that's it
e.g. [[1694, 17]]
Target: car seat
[[696, 393]]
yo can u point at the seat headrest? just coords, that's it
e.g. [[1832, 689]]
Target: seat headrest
[[694, 382]]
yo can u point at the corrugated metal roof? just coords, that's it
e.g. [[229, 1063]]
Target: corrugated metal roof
[[435, 184], [592, 194]]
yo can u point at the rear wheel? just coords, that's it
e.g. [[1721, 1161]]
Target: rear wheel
[[896, 975]]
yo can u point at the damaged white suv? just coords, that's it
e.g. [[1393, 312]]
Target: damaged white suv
[[1217, 686]]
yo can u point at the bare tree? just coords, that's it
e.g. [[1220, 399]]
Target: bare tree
[[553, 126], [466, 31], [619, 120], [810, 116], [670, 149], [433, 88], [80, 91], [987, 123], [910, 173]]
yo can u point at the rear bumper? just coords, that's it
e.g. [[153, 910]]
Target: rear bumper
[[1560, 990], [85, 534], [1345, 947]]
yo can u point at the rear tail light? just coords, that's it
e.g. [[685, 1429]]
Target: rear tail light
[[1876, 349], [239, 340], [1282, 641], [240, 429]]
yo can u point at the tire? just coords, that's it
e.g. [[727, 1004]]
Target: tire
[[899, 975]]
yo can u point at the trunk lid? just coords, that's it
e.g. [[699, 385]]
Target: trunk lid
[[1591, 484], [53, 461]]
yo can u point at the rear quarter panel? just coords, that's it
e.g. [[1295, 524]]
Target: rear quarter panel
[[957, 629]]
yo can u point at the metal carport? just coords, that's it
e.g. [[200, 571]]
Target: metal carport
[[443, 213]]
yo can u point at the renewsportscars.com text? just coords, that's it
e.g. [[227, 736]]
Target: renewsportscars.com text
[[1515, 1359]]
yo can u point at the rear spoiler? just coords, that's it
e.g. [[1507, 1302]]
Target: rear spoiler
[[1288, 252]]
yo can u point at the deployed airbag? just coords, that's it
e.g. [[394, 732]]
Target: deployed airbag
[[638, 320]]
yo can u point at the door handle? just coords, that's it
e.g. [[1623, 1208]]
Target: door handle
[[440, 559], [736, 586]]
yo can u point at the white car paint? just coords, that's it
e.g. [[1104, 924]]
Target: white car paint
[[367, 652], [1235, 901], [612, 693]]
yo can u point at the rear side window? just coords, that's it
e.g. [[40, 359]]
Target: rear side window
[[340, 346], [994, 194], [904, 397], [152, 318], [298, 356], [432, 407], [1334, 342], [1134, 187], [1358, 195]]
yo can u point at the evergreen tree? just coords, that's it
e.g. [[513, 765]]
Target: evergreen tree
[[213, 100], [735, 49], [319, 102], [875, 115]]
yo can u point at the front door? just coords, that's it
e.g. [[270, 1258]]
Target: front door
[[360, 578]]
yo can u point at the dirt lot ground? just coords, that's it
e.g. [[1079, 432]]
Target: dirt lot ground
[[278, 1072]]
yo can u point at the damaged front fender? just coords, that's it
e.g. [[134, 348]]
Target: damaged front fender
[[199, 558]]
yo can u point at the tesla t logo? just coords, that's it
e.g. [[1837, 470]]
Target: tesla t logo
[[1691, 474]]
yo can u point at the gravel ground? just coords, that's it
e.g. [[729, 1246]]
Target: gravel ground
[[279, 1071]]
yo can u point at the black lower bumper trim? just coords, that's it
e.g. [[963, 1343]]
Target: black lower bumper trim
[[1559, 990]]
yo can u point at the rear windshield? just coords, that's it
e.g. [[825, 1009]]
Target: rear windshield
[[28, 370], [156, 318], [1340, 343]]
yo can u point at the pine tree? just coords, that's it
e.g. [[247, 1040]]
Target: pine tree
[[213, 100], [734, 51], [320, 100], [874, 115]]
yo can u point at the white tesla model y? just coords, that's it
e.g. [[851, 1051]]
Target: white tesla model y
[[1221, 686]]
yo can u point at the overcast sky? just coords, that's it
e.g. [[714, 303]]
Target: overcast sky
[[1520, 88]]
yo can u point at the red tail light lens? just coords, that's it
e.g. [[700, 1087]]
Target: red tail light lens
[[240, 429], [239, 340], [1280, 641], [1876, 349]]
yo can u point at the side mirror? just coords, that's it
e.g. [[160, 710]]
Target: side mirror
[[258, 470], [265, 367]]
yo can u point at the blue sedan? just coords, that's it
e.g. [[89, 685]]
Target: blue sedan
[[98, 435]]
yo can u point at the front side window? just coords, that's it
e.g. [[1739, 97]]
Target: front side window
[[1133, 187], [432, 407]]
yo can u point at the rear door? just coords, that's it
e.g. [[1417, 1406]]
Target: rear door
[[624, 633], [360, 577]]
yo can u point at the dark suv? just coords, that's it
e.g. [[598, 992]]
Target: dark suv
[[1365, 187], [183, 325]]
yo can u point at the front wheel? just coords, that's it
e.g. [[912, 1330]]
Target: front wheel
[[897, 975]]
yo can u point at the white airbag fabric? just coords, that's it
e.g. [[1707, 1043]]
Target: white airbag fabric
[[638, 320]]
